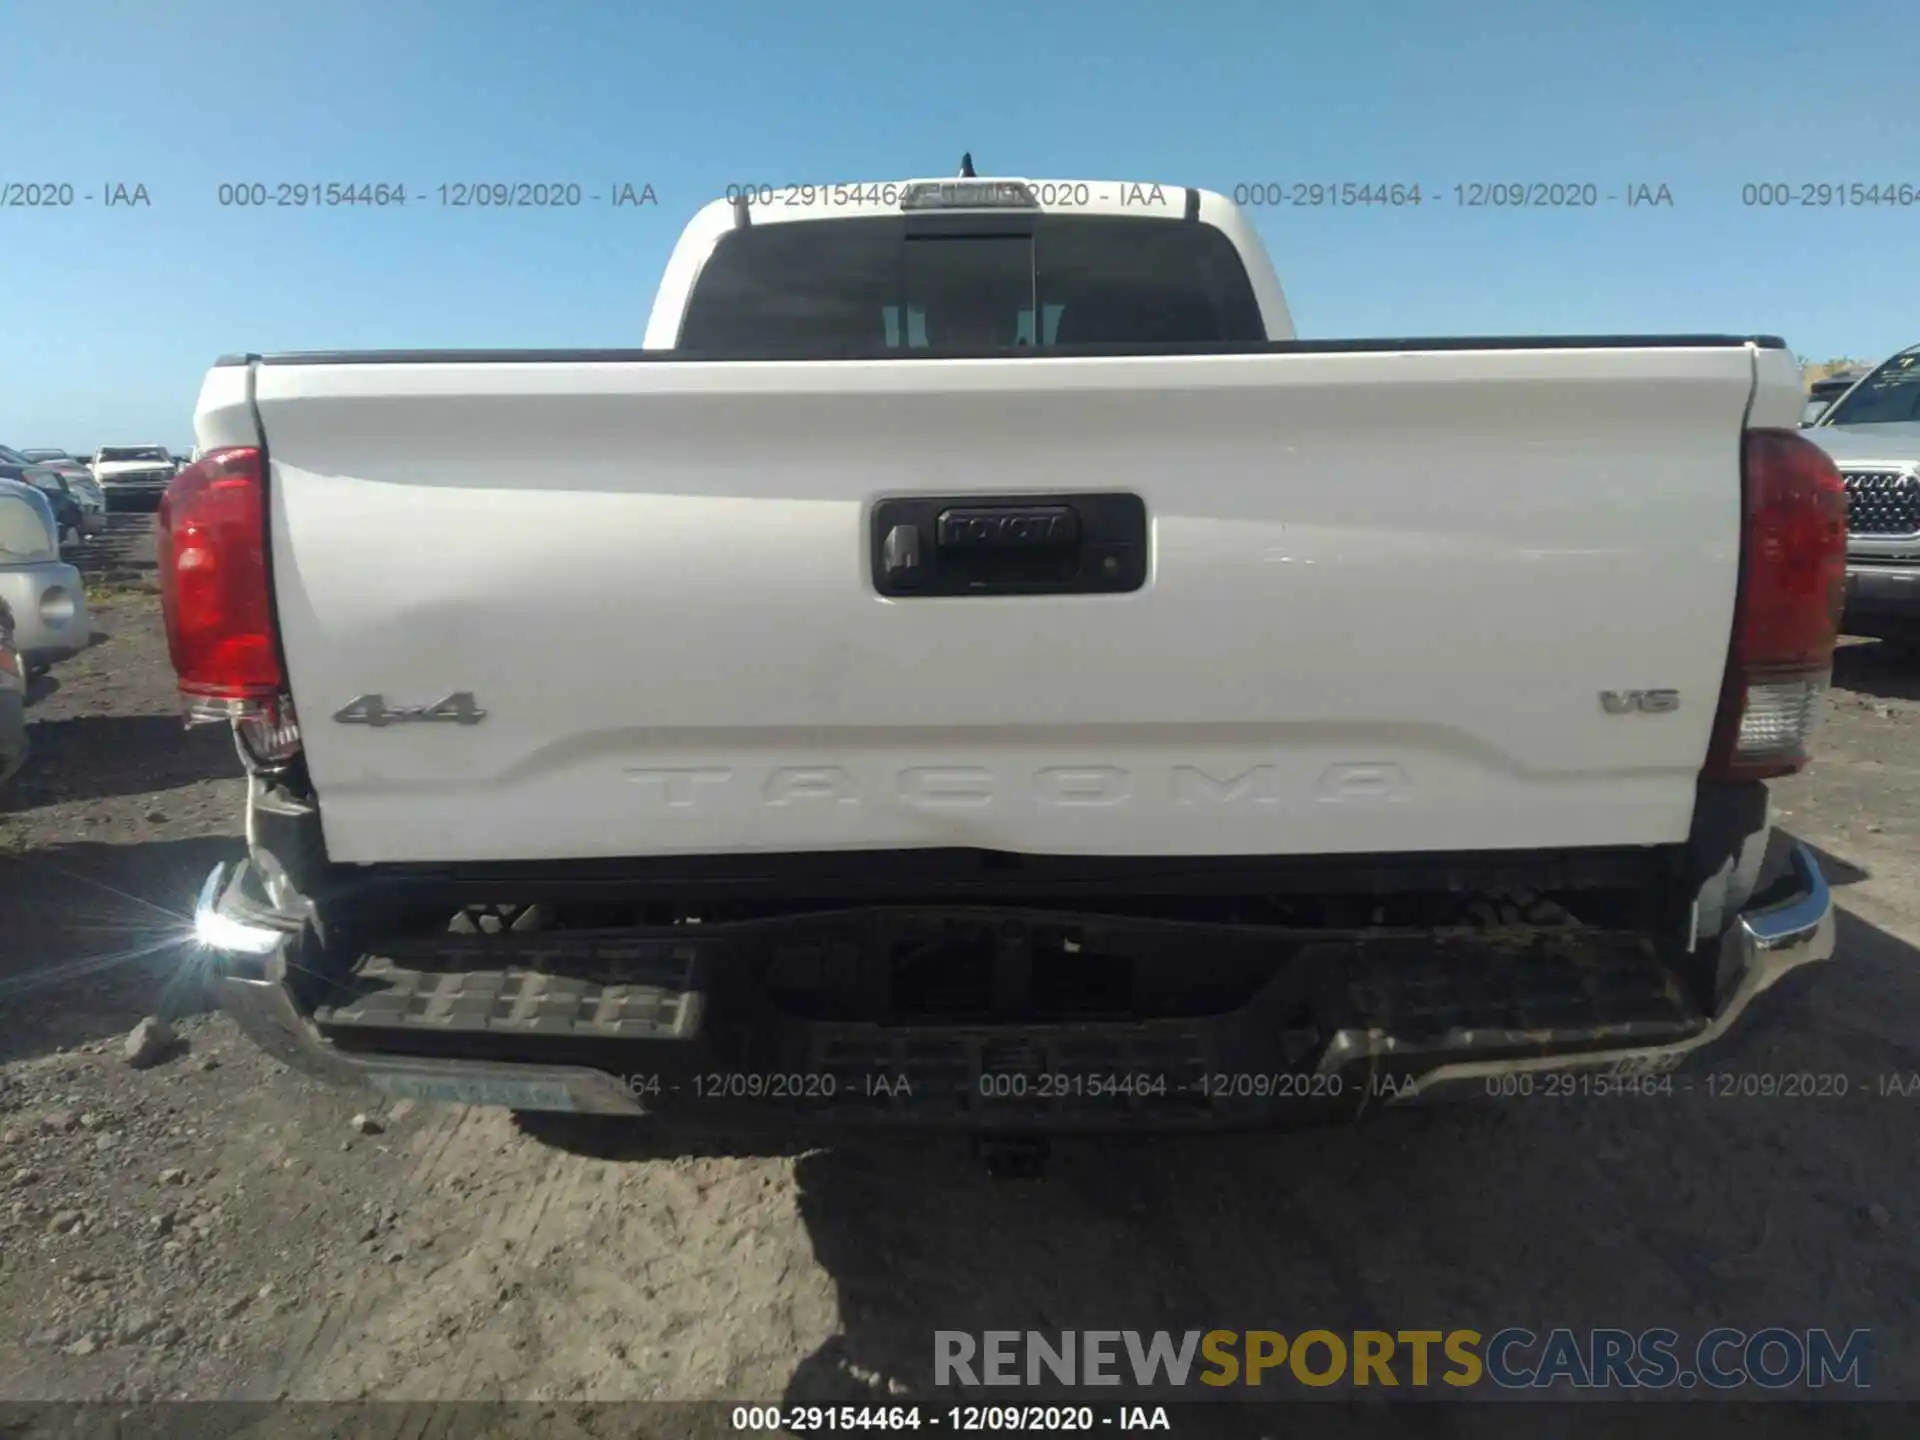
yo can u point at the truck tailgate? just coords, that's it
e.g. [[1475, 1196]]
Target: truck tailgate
[[1384, 595]]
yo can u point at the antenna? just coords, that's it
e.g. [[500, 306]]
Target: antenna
[[966, 166]]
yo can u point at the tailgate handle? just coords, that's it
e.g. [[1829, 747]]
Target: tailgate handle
[[1053, 543], [1009, 527]]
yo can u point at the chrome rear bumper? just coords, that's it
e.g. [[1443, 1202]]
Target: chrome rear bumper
[[252, 938], [1761, 946]]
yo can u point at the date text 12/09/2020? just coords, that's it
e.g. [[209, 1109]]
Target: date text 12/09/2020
[[57, 194], [1014, 1419], [827, 1085], [1316, 194], [1025, 1086], [456, 195], [65, 195], [1472, 195], [1049, 194], [803, 1086]]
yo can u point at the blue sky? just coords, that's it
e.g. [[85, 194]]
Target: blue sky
[[110, 316]]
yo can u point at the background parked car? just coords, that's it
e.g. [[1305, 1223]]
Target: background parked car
[[70, 521], [80, 487], [69, 516], [43, 592], [133, 476], [1873, 434], [84, 488], [1822, 393], [73, 469], [13, 700]]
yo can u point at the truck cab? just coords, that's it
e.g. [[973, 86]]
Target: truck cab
[[830, 236]]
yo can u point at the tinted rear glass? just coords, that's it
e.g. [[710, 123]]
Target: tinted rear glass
[[1888, 396], [869, 287]]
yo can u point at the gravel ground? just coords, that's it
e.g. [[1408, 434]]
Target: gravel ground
[[212, 1226]]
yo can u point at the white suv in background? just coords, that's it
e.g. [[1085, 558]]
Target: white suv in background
[[133, 475]]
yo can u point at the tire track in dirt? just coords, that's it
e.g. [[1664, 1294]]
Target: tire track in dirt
[[344, 1320]]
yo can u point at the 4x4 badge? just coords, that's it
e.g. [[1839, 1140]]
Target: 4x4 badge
[[455, 709]]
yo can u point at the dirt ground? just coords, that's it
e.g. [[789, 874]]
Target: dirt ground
[[218, 1227]]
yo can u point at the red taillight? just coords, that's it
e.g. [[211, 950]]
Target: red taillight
[[213, 579], [1793, 573]]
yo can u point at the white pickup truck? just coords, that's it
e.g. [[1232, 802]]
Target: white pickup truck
[[975, 666]]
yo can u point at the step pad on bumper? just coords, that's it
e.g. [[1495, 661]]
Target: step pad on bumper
[[1396, 993], [584, 986]]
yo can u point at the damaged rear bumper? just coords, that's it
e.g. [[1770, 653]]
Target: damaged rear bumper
[[994, 1076], [1790, 926]]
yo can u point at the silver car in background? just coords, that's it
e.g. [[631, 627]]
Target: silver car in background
[[43, 592], [1873, 434]]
